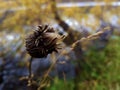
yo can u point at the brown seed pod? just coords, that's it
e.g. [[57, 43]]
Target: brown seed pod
[[43, 41]]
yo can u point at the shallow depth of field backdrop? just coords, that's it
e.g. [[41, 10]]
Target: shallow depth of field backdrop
[[91, 65]]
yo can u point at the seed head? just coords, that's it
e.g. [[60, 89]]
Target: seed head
[[43, 41]]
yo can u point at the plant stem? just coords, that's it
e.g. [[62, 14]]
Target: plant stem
[[30, 72]]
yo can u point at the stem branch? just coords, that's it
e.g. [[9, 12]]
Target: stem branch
[[30, 72]]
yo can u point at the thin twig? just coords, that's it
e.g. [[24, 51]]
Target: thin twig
[[90, 37], [30, 72]]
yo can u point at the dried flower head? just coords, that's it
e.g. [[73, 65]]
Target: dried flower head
[[43, 41]]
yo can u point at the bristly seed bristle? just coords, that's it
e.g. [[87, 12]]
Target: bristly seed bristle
[[43, 41]]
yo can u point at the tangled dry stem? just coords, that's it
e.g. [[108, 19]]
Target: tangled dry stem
[[90, 37]]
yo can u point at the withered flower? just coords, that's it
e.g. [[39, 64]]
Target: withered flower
[[43, 41]]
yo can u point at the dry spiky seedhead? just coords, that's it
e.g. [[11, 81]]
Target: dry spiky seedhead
[[43, 41]]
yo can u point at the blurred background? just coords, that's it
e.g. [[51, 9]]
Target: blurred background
[[91, 65]]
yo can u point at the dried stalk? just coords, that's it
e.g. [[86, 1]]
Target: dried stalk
[[30, 72]]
